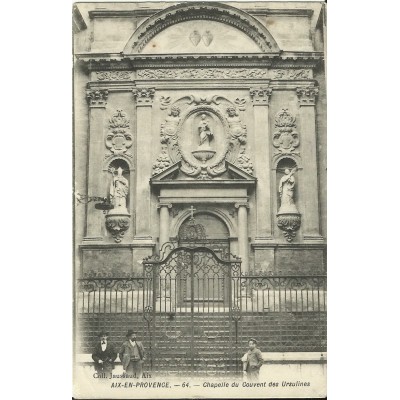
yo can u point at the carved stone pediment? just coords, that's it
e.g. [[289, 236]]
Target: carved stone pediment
[[174, 173], [202, 133], [194, 25]]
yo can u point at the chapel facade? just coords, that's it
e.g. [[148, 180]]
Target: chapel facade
[[201, 125]]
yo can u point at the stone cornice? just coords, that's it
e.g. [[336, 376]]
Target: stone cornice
[[239, 84], [275, 245], [147, 12], [138, 13], [295, 12], [204, 184], [79, 23], [120, 61]]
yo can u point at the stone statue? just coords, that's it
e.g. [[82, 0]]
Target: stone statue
[[237, 129], [119, 191], [286, 191], [205, 132], [168, 130]]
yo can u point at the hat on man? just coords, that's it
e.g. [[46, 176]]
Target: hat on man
[[103, 333], [130, 332]]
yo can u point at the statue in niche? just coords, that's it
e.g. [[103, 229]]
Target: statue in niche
[[286, 192], [119, 191], [205, 132]]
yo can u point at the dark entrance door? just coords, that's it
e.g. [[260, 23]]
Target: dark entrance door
[[192, 328]]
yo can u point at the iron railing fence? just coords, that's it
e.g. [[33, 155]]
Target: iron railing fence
[[248, 294]]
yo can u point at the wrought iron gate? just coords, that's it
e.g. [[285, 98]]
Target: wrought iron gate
[[191, 307]]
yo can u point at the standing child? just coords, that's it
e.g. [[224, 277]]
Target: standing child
[[252, 362]]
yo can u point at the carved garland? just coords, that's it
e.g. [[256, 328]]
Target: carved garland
[[203, 73], [224, 73], [113, 75]]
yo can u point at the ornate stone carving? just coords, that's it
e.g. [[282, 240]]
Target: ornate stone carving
[[119, 140], [289, 224], [289, 218], [291, 74], [97, 98], [117, 225], [241, 103], [203, 73], [286, 138], [195, 38], [244, 162], [202, 116], [260, 96], [144, 95], [162, 163], [192, 231], [207, 38], [113, 75], [238, 139], [307, 95], [164, 102]]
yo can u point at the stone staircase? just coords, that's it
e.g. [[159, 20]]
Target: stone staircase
[[213, 346]]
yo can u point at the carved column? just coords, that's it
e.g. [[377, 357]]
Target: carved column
[[144, 100], [243, 236], [97, 100], [164, 223], [262, 159], [309, 190]]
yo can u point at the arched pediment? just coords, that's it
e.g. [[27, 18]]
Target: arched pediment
[[200, 27]]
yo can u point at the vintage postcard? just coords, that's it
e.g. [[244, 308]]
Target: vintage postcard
[[200, 200]]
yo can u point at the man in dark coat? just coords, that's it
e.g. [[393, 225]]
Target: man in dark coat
[[252, 361], [104, 355], [132, 355]]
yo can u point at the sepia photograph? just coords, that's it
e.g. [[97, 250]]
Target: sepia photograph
[[200, 199]]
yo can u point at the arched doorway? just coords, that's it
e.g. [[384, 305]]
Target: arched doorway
[[205, 230]]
